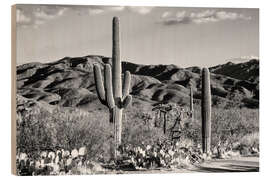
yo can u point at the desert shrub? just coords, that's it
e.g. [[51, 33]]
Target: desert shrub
[[249, 144], [78, 128], [139, 127], [251, 140], [63, 128], [34, 131], [192, 127], [230, 125], [193, 132]]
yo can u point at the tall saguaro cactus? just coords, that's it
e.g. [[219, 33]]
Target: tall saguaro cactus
[[111, 93], [191, 103], [206, 111]]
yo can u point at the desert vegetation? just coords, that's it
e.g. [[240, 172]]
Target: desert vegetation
[[235, 132], [70, 118]]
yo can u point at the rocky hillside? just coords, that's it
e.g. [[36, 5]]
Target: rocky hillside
[[245, 71], [69, 82]]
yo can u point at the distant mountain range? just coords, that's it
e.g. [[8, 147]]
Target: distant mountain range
[[69, 82], [245, 71]]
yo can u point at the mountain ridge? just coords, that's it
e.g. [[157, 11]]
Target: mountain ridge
[[69, 82]]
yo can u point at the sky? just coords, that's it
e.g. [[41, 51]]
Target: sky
[[149, 35]]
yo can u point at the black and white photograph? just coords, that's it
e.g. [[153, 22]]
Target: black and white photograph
[[135, 89]]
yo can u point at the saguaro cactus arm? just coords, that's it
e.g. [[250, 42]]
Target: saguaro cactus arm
[[126, 101], [126, 83], [104, 91], [99, 85], [108, 86]]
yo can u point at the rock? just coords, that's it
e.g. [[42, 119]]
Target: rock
[[95, 167]]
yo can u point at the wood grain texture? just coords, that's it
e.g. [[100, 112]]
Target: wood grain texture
[[13, 89]]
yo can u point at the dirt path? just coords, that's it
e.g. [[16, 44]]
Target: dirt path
[[241, 164]]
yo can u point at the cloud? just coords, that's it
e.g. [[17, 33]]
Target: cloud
[[181, 14], [231, 16], [94, 10], [21, 18], [103, 9], [202, 17], [250, 57], [115, 8], [166, 14], [141, 9], [43, 14], [38, 15], [242, 59], [203, 14], [180, 17], [48, 12]]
